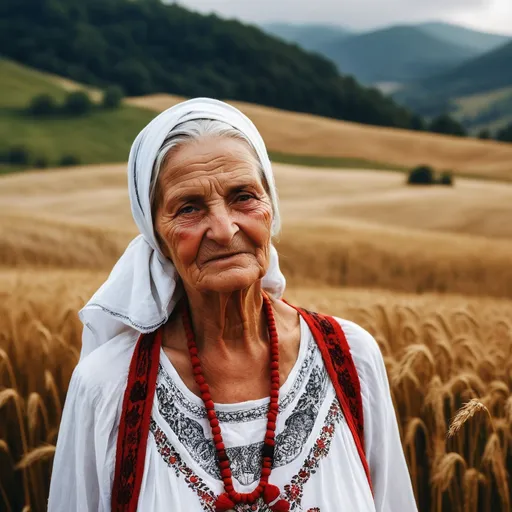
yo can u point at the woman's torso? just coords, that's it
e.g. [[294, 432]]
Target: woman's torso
[[317, 466]]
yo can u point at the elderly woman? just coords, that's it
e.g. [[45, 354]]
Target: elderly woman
[[199, 388]]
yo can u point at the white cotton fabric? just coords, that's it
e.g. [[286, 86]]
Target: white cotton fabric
[[85, 458], [144, 287]]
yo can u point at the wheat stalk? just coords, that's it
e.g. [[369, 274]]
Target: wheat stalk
[[38, 454], [465, 413]]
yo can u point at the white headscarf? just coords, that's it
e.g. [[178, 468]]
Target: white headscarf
[[144, 286]]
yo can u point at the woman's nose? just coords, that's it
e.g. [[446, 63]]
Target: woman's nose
[[222, 227]]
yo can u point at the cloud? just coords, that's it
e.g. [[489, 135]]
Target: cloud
[[352, 13]]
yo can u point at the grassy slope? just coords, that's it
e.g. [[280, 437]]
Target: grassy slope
[[102, 136]]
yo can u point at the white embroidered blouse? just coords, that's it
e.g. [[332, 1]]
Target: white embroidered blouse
[[316, 464]]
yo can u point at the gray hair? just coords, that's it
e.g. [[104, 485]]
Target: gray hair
[[194, 130]]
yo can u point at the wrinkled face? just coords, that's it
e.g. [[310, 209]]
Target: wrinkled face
[[213, 215]]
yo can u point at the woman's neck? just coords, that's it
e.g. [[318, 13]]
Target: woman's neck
[[228, 322]]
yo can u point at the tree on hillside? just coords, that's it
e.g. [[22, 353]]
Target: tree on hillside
[[505, 135], [446, 125]]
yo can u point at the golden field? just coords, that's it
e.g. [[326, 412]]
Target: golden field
[[305, 134], [426, 270]]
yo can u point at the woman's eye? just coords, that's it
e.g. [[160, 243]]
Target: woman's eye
[[187, 209], [244, 197]]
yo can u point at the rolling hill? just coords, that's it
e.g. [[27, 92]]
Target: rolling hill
[[292, 133], [101, 136], [396, 54], [150, 46], [485, 81], [482, 74]]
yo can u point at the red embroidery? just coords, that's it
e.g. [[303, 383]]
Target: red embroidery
[[134, 425], [338, 361]]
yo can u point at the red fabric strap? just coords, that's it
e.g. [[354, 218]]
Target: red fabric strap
[[134, 424], [340, 366]]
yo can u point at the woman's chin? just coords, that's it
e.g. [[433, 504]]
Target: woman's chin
[[229, 280]]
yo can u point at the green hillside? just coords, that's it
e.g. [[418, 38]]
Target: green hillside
[[486, 73], [396, 54], [476, 92], [97, 137], [481, 42], [147, 46], [310, 37]]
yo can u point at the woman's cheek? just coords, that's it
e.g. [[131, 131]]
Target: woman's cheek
[[186, 242]]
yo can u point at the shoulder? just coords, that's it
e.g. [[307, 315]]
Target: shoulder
[[105, 369], [368, 361], [363, 346]]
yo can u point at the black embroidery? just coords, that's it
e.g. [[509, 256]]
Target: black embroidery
[[246, 460], [293, 492], [198, 411]]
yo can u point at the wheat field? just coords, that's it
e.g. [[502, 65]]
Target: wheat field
[[306, 134], [426, 271]]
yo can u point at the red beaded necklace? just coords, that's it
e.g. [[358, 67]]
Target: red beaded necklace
[[269, 492]]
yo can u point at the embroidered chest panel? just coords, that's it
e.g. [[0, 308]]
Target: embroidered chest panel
[[310, 386]]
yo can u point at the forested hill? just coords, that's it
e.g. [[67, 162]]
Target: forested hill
[[146, 47]]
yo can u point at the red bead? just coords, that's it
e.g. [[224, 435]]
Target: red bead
[[217, 438], [259, 489], [265, 472], [211, 414], [200, 380], [270, 493], [224, 464], [225, 473], [270, 435], [206, 396], [220, 446], [237, 496], [274, 374], [193, 350], [204, 388], [274, 407], [274, 365], [195, 361], [197, 370], [271, 425], [214, 422], [270, 442], [221, 454], [224, 503], [209, 404], [274, 385], [215, 430], [228, 482], [272, 416]]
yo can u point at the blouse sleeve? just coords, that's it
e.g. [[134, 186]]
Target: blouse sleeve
[[85, 455], [388, 468]]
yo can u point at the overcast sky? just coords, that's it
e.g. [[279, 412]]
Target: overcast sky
[[487, 15]]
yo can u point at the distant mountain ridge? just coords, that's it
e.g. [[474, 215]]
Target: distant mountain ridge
[[309, 37], [480, 41], [396, 54]]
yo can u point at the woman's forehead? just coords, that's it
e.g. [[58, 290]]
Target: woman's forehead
[[214, 157]]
